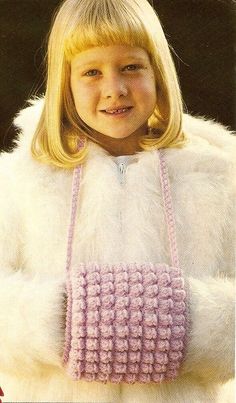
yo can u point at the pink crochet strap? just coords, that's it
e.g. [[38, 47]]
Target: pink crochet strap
[[77, 174], [74, 201], [168, 205]]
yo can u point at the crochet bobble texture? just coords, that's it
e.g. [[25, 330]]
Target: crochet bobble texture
[[128, 323]]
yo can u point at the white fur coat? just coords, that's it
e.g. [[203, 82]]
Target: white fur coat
[[34, 218]]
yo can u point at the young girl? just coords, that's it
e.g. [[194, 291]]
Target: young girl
[[117, 225]]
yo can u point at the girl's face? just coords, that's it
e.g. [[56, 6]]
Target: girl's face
[[114, 89]]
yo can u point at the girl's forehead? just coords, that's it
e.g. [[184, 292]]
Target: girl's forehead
[[110, 53]]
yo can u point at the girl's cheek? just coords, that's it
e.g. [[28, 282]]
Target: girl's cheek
[[146, 81], [145, 87], [83, 91]]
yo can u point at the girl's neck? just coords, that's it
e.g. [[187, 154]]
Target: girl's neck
[[126, 146]]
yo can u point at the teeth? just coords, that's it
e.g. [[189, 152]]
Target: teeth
[[117, 110]]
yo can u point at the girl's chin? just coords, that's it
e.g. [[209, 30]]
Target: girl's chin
[[114, 136], [118, 137]]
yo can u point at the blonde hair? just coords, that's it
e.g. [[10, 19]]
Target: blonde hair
[[80, 25]]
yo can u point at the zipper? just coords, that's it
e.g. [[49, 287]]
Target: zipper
[[122, 171], [122, 163]]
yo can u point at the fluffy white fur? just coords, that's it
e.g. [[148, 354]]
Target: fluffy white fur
[[116, 223]]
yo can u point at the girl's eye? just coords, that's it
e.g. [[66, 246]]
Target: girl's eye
[[92, 73], [133, 67]]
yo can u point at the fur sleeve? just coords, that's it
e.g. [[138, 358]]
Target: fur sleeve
[[31, 310], [210, 348]]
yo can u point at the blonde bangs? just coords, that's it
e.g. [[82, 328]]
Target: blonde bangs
[[104, 24]]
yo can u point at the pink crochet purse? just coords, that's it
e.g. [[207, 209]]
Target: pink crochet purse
[[126, 322]]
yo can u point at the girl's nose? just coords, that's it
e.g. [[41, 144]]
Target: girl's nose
[[114, 87]]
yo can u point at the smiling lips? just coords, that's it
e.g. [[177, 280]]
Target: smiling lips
[[117, 111]]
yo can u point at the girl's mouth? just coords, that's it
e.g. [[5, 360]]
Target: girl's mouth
[[118, 111]]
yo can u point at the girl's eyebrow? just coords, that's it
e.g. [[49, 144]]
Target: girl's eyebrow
[[86, 64], [96, 62]]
